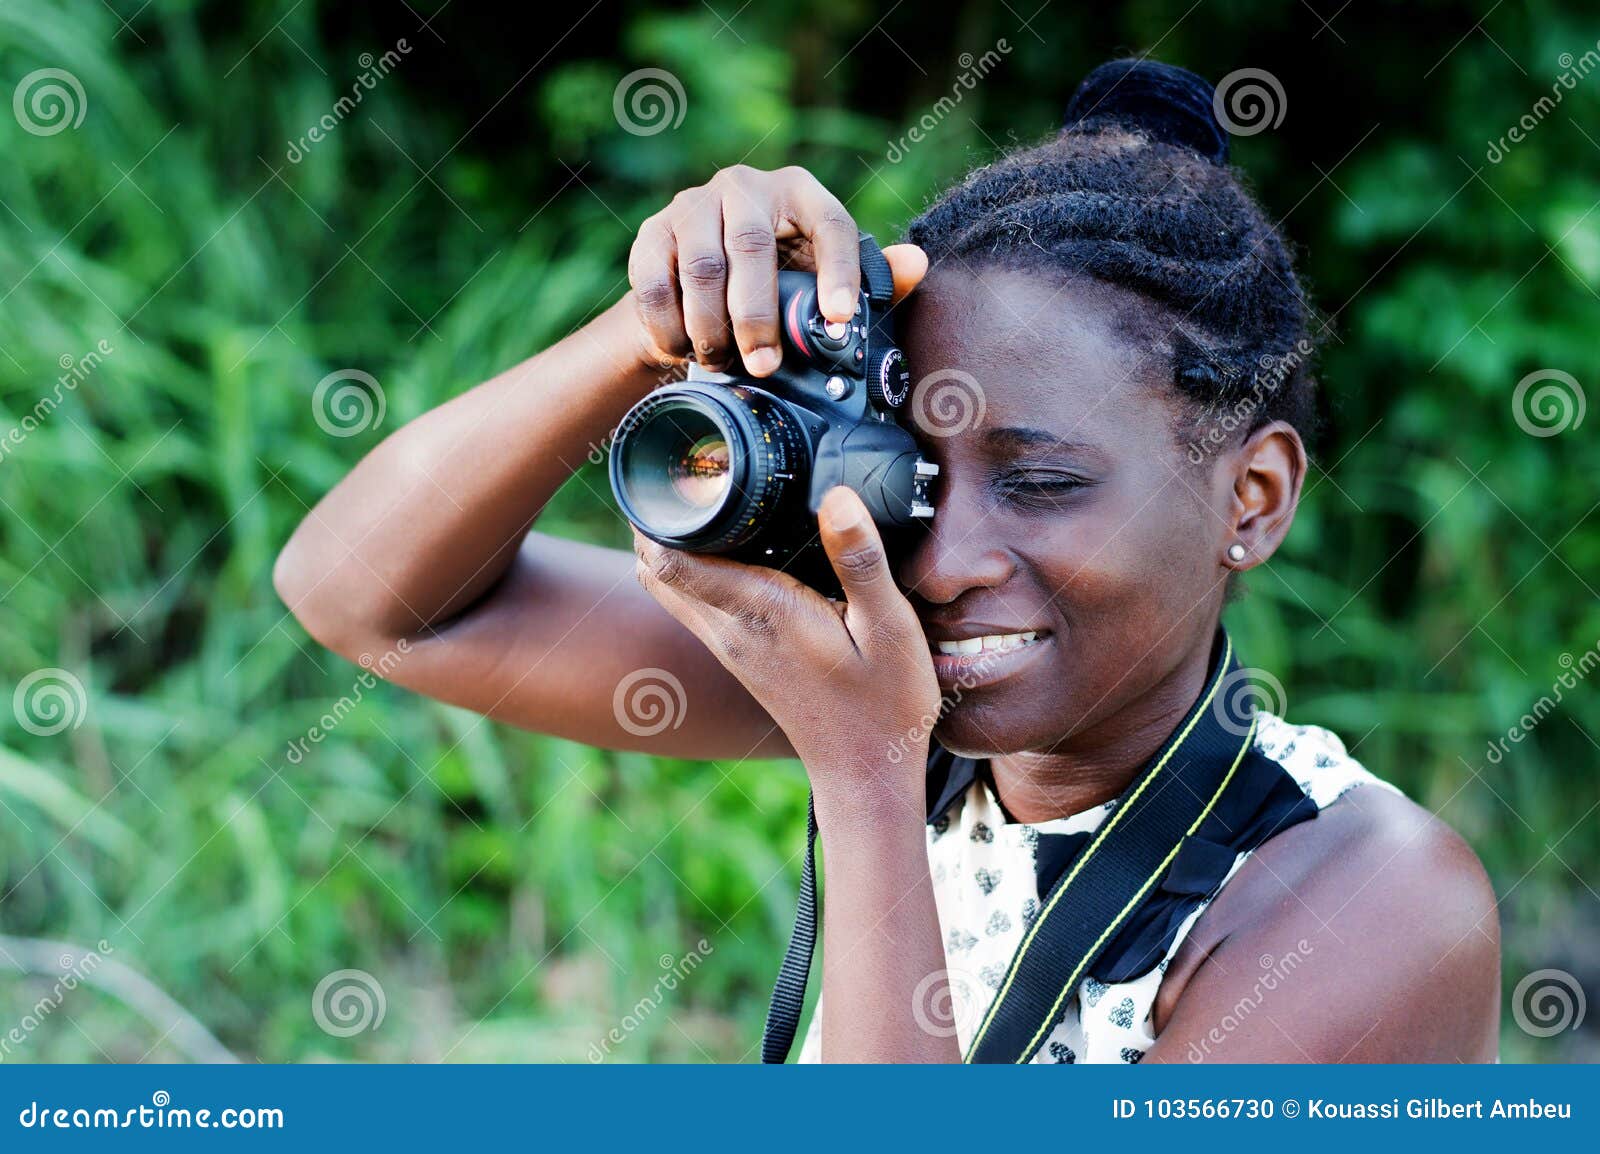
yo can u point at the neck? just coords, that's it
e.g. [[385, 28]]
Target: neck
[[1091, 767]]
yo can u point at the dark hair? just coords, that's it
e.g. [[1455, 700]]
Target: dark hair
[[1136, 191]]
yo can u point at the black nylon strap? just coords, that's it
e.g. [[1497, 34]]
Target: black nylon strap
[[789, 994], [876, 276], [1115, 873]]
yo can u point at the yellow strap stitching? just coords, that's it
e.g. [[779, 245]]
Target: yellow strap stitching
[[1099, 840], [1072, 981]]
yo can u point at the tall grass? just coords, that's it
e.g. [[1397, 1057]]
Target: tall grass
[[514, 895]]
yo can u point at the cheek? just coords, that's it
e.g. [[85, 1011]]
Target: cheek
[[1134, 557]]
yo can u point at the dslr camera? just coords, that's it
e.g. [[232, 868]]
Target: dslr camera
[[738, 466]]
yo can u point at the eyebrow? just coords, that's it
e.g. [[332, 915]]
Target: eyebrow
[[1018, 438]]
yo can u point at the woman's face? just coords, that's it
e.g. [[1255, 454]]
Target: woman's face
[[1068, 510]]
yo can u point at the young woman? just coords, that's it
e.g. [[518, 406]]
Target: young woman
[[1135, 348]]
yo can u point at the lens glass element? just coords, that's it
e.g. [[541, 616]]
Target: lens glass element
[[701, 475], [677, 466]]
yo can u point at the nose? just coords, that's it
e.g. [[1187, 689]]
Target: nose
[[960, 553]]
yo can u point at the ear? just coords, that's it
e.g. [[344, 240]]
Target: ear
[[1268, 471]]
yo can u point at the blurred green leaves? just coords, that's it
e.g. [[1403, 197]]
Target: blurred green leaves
[[514, 893]]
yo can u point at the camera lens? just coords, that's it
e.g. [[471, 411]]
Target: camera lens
[[700, 476], [706, 467], [676, 466]]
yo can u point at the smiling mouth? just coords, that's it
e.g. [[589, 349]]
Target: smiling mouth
[[992, 643], [971, 662]]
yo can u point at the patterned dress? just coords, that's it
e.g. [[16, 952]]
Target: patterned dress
[[990, 875]]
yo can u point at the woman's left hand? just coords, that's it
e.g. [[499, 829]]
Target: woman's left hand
[[853, 687], [850, 683]]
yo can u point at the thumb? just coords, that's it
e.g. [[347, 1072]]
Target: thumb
[[856, 552], [909, 265]]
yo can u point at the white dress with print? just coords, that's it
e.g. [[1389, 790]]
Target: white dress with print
[[985, 888]]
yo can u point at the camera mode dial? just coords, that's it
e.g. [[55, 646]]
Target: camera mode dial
[[888, 378]]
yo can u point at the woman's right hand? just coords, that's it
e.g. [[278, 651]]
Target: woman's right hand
[[704, 269], [537, 631]]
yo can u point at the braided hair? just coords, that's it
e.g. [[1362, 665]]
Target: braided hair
[[1136, 191]]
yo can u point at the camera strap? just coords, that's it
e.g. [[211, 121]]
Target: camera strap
[[789, 994], [1117, 870], [877, 278], [1085, 909]]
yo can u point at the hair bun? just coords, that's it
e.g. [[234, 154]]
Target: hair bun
[[1163, 101]]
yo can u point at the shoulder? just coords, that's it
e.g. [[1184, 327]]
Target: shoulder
[[1387, 913], [1370, 850]]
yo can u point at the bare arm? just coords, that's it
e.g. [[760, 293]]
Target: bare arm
[[884, 984], [421, 562], [423, 554], [850, 682]]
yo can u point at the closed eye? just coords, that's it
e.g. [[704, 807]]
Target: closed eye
[[1040, 487]]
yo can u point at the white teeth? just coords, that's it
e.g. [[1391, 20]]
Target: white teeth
[[993, 643]]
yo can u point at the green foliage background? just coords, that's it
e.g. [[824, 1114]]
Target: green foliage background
[[514, 894]]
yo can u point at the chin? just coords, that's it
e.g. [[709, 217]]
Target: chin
[[973, 728], [1031, 711]]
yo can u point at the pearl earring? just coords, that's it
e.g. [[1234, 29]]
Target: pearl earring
[[1236, 552]]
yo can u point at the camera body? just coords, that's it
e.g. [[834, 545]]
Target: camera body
[[738, 466]]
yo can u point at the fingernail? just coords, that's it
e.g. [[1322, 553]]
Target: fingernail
[[763, 360], [844, 510], [841, 304]]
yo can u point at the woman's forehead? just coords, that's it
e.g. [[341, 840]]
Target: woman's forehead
[[1045, 352]]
